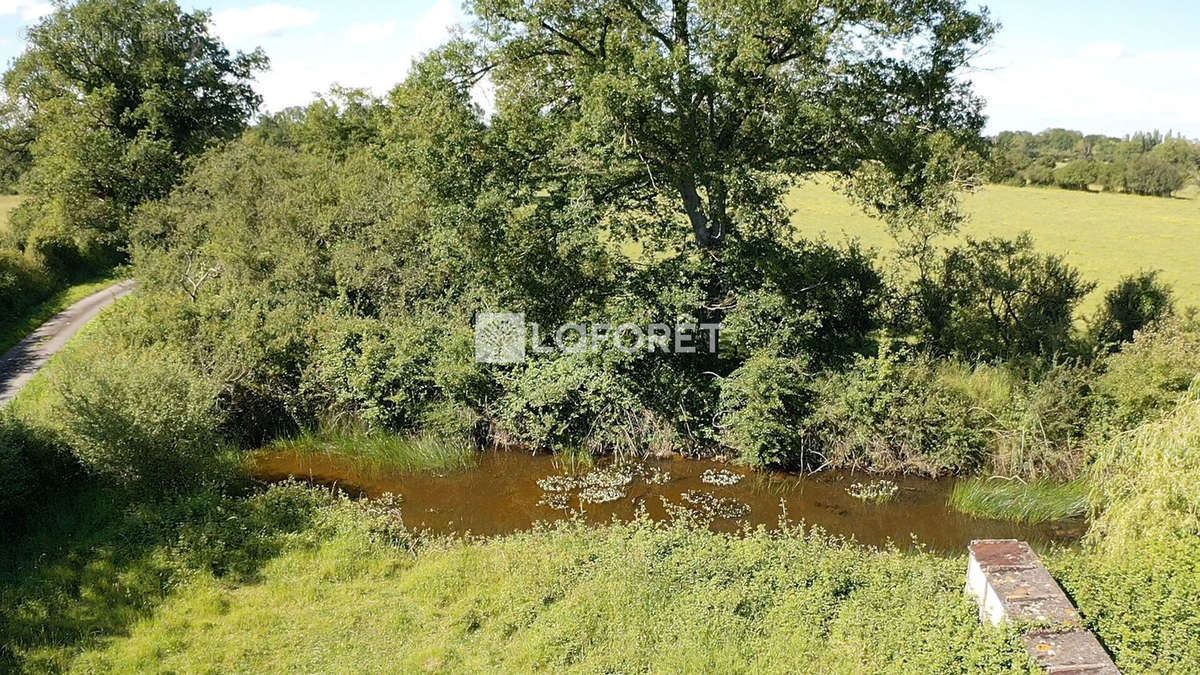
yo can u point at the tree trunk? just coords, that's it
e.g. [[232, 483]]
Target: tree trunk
[[694, 207]]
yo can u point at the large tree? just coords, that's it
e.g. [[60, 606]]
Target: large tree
[[118, 94], [699, 106]]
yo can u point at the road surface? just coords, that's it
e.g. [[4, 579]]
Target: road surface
[[22, 362]]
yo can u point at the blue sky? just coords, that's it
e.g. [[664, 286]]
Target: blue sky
[[1104, 66]]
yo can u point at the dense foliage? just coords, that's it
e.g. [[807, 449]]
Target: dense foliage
[[118, 93], [1142, 163]]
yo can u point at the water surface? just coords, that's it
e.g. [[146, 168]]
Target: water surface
[[502, 494]]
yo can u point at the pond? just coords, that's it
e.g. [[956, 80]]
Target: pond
[[508, 491]]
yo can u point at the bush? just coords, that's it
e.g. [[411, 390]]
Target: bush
[[1045, 430], [765, 405], [806, 299], [579, 400], [1039, 174], [23, 284], [1076, 175], [1152, 373], [891, 414], [998, 299], [1154, 177], [30, 462], [1136, 302], [139, 416]]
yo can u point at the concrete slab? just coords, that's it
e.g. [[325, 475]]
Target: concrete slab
[[1074, 651], [1010, 583]]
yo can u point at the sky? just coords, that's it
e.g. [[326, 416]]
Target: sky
[[1099, 66]]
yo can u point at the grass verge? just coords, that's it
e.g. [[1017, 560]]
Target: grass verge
[[1027, 502], [13, 332]]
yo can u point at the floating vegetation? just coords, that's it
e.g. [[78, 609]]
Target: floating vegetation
[[600, 485], [559, 483], [877, 491], [608, 477], [656, 476], [559, 501], [717, 507], [598, 494], [720, 477]]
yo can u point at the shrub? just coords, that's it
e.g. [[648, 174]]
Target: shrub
[[1154, 177], [1111, 176], [30, 461], [23, 284], [765, 405], [1135, 302], [143, 416], [891, 414], [1040, 174], [1152, 373], [806, 299], [578, 400], [380, 372], [998, 298], [1076, 175], [1045, 430]]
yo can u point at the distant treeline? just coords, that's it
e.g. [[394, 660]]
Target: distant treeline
[[1145, 163]]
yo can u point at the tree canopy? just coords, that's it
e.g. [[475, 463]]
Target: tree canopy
[[118, 93], [699, 106]]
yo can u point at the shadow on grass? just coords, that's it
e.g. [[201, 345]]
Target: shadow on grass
[[93, 559]]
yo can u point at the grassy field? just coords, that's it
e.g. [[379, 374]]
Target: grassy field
[[1104, 235]]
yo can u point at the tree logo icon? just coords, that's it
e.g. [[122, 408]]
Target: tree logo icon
[[499, 337]]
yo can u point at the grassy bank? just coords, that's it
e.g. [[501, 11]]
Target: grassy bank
[[1105, 235], [1027, 502], [382, 451], [304, 582]]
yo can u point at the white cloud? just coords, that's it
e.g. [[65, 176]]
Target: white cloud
[[28, 10], [375, 56], [261, 21], [370, 32], [1102, 88]]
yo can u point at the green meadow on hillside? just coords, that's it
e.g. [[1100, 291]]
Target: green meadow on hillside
[[1105, 235]]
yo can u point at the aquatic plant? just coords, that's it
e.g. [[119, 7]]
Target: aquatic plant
[[717, 507], [1023, 501], [598, 494], [720, 477], [877, 491]]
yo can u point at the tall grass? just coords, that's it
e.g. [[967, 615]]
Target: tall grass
[[289, 580], [381, 451], [1036, 501]]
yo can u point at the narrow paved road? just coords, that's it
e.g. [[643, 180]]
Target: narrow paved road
[[22, 362]]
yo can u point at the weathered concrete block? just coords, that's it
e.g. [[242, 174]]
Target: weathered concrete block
[[1010, 582], [1073, 651]]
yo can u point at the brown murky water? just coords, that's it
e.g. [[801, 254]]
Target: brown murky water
[[502, 494]]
